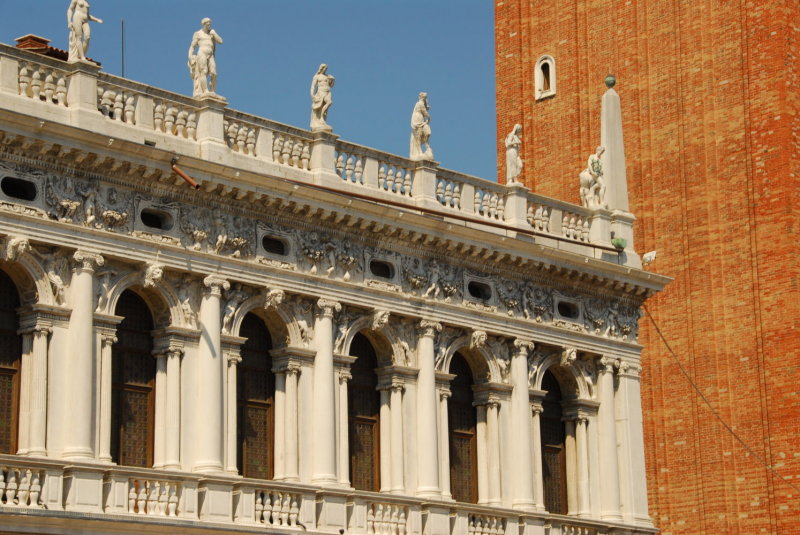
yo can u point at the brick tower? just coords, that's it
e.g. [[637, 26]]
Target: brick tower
[[710, 105]]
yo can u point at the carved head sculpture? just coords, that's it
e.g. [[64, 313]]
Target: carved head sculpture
[[600, 150], [206, 23], [322, 68], [517, 129]]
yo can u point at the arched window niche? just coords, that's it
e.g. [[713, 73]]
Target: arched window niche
[[545, 77], [363, 416], [462, 422], [554, 456], [10, 357]]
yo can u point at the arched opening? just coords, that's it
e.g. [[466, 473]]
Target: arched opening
[[133, 372], [255, 399], [10, 356], [462, 420], [545, 77], [363, 412], [554, 465]]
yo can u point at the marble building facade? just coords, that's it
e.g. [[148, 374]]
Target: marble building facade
[[319, 337]]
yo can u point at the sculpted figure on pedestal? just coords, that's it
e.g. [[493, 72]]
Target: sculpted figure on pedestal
[[78, 18], [202, 65], [593, 185], [421, 130], [513, 160], [321, 100]]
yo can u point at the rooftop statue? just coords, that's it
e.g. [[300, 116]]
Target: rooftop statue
[[321, 100], [513, 160], [202, 65], [78, 18], [421, 130], [593, 184]]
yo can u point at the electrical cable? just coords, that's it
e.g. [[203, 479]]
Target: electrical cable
[[761, 459]]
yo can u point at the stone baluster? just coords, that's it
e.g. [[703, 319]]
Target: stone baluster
[[324, 453], [210, 406], [520, 413], [428, 484], [79, 440]]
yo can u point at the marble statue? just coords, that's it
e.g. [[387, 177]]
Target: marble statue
[[513, 160], [421, 130], [78, 18], [202, 65], [321, 100], [593, 184]]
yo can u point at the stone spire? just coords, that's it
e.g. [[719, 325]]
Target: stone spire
[[613, 158]]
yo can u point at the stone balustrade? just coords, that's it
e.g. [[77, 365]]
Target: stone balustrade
[[206, 128]]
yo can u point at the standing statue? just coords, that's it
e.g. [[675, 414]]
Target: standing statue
[[593, 184], [421, 130], [321, 100], [513, 160], [202, 65], [78, 18]]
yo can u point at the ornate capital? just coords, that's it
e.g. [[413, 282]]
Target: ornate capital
[[344, 376], [233, 358], [477, 339], [627, 369], [327, 308], [108, 339], [444, 394], [174, 352], [536, 408], [216, 284], [523, 347], [606, 364], [292, 368], [86, 261], [273, 298], [429, 328], [380, 318]]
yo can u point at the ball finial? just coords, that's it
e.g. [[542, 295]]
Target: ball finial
[[611, 81]]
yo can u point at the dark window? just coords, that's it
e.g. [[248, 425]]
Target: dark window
[[255, 393], [545, 77], [381, 269], [17, 188], [363, 408], [274, 245], [10, 353], [133, 372], [156, 219], [554, 466], [568, 310], [479, 290], [461, 421]]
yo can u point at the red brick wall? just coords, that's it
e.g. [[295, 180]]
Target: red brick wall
[[711, 112]]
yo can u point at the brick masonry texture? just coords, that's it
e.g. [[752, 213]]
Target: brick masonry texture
[[711, 111]]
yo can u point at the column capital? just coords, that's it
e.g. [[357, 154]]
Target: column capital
[[627, 369], [344, 376], [216, 284], [108, 338], [523, 346], [429, 328], [444, 393], [87, 261], [606, 364], [36, 330], [537, 408], [327, 308]]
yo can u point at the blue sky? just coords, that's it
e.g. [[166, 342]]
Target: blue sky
[[382, 53]]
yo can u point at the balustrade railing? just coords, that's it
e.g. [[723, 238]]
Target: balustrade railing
[[21, 487], [241, 137], [291, 150], [153, 497], [485, 524], [116, 103], [277, 508], [42, 83], [387, 519], [175, 119]]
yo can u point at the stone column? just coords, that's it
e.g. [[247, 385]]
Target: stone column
[[520, 413], [25, 393], [233, 359], [536, 440], [386, 439], [160, 435], [398, 486], [493, 450], [582, 452], [291, 467], [483, 462], [571, 460], [79, 440], [280, 422], [631, 440], [107, 340], [428, 480], [324, 456], [344, 437], [210, 402], [172, 448], [609, 463], [38, 393], [444, 443]]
